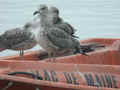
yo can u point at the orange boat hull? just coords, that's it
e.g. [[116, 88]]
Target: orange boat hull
[[110, 55], [99, 70]]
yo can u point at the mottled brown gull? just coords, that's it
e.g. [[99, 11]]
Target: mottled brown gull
[[19, 39], [59, 22], [52, 38]]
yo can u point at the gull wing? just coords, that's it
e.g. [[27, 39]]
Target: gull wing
[[15, 36], [67, 28], [60, 38]]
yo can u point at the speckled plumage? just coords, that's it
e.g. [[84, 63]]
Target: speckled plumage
[[53, 38], [17, 39], [58, 22]]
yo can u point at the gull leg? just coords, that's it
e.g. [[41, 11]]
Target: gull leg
[[49, 55], [22, 54], [54, 56]]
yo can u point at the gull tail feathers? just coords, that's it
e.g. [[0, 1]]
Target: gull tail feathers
[[91, 47], [81, 51], [78, 48]]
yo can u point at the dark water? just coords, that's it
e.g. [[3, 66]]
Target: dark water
[[92, 18]]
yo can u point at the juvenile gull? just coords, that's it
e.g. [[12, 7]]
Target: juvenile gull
[[58, 22], [52, 38], [18, 39]]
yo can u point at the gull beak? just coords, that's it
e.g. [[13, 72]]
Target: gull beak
[[36, 12]]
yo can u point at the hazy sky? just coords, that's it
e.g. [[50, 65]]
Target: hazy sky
[[92, 18]]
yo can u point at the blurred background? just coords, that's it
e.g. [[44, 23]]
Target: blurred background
[[91, 18]]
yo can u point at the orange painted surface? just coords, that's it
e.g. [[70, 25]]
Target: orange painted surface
[[110, 55], [72, 72], [24, 84], [78, 71], [105, 41]]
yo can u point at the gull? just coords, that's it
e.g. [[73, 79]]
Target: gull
[[18, 39], [21, 38], [52, 38], [58, 22]]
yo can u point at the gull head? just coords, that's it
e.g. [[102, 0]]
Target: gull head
[[53, 15], [42, 10], [53, 12]]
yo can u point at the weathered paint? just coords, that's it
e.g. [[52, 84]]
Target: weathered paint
[[102, 79], [67, 74]]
